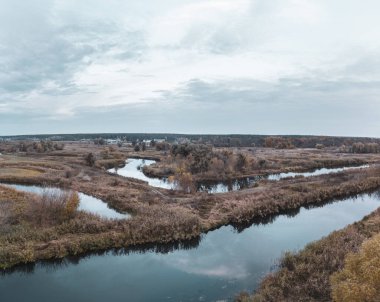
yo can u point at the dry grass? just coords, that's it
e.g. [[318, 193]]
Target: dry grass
[[360, 279], [39, 227], [17, 172], [159, 216], [305, 276], [260, 161], [52, 207], [289, 194]]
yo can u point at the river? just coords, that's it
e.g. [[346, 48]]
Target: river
[[215, 268], [133, 168]]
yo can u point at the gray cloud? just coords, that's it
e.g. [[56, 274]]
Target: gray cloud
[[37, 50], [285, 91], [189, 66], [291, 106]]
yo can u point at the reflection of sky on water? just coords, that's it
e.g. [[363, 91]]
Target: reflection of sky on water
[[321, 171], [87, 203], [133, 168], [224, 263]]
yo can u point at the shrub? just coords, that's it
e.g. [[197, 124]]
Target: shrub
[[183, 181], [360, 279], [90, 159], [71, 205], [241, 162], [319, 146], [52, 207]]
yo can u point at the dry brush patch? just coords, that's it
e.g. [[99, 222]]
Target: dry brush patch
[[220, 164], [360, 278], [49, 226]]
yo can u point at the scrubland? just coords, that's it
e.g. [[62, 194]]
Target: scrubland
[[32, 228]]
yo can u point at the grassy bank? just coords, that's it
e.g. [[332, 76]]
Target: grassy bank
[[23, 238], [159, 216], [305, 276]]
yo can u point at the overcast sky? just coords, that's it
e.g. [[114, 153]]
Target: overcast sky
[[200, 66]]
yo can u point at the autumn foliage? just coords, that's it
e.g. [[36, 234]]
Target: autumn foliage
[[52, 207], [359, 281], [183, 180]]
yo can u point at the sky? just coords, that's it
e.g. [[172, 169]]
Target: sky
[[200, 66]]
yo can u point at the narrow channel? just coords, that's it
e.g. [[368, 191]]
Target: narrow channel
[[133, 169], [87, 203]]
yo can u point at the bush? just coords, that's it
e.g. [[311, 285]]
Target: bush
[[320, 146], [52, 207], [360, 279], [183, 181], [40, 147], [90, 159]]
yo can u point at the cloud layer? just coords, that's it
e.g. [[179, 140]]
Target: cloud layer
[[289, 66]]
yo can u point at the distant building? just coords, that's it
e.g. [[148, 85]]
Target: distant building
[[113, 141]]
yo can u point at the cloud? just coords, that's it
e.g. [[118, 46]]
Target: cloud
[[42, 53], [71, 61]]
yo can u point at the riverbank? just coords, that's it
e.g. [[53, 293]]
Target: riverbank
[[159, 215], [224, 164], [305, 275], [163, 221], [207, 269]]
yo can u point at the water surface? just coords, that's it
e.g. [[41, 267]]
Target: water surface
[[316, 172], [133, 168], [87, 203], [222, 264]]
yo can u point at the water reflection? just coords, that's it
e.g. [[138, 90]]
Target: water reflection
[[228, 185], [316, 172], [290, 213], [215, 268], [55, 264], [133, 169], [87, 203]]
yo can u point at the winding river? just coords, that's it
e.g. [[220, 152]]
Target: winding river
[[204, 270], [133, 168]]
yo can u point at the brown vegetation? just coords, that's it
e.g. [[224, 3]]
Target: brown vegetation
[[39, 147], [305, 276], [52, 207], [275, 197], [220, 164], [160, 216], [360, 278], [364, 148], [278, 143]]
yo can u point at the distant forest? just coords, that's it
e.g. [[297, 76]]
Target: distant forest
[[233, 140]]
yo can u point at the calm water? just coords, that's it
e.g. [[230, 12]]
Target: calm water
[[87, 203], [133, 168], [314, 173], [223, 263]]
